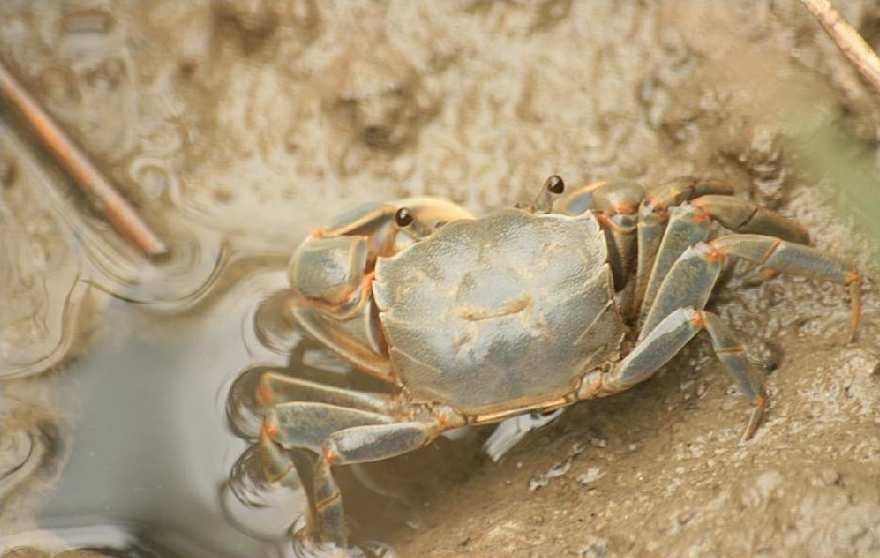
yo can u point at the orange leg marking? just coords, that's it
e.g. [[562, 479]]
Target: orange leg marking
[[776, 243], [330, 456], [716, 254], [264, 394], [271, 430]]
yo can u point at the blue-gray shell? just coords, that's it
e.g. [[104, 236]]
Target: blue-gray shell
[[500, 312]]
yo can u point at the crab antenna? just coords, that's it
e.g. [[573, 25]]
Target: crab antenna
[[404, 219], [552, 187]]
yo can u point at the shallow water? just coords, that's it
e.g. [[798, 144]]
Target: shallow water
[[238, 126], [149, 449]]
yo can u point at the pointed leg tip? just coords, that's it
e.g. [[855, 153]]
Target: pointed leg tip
[[748, 434], [755, 419]]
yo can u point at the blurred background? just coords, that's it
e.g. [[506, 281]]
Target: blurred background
[[235, 127]]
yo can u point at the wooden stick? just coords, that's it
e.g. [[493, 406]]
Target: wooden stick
[[116, 209], [848, 40]]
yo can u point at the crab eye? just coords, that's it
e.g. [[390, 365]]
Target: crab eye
[[403, 218], [554, 184]]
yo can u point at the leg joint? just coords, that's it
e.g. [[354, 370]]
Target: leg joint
[[698, 320]]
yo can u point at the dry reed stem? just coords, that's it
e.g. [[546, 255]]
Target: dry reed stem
[[848, 40], [116, 209]]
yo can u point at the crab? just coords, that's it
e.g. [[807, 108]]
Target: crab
[[579, 295]]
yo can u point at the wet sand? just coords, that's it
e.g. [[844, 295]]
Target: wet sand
[[241, 126]]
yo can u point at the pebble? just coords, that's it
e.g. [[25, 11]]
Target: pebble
[[592, 475], [559, 469], [596, 547], [826, 477], [537, 482]]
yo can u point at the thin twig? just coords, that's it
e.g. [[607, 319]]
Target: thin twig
[[116, 209], [848, 40]]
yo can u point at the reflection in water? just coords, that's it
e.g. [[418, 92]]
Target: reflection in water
[[263, 509], [148, 450], [150, 457], [273, 325], [256, 507], [242, 412], [110, 539], [58, 327], [41, 292], [259, 120], [45, 284], [174, 283], [31, 449]]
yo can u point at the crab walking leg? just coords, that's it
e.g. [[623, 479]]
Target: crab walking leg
[[663, 343], [687, 284], [732, 355], [327, 514], [795, 259], [692, 277], [275, 388], [687, 226], [683, 188], [649, 233], [653, 215], [375, 442], [277, 465], [652, 352], [743, 216], [359, 444], [363, 347], [306, 424]]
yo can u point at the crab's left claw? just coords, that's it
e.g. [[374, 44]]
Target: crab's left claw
[[331, 274]]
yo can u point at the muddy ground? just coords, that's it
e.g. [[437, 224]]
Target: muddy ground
[[253, 122]]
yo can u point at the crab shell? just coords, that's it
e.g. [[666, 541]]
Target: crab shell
[[499, 312], [485, 315]]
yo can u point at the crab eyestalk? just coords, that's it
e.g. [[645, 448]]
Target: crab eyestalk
[[553, 187], [405, 219]]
